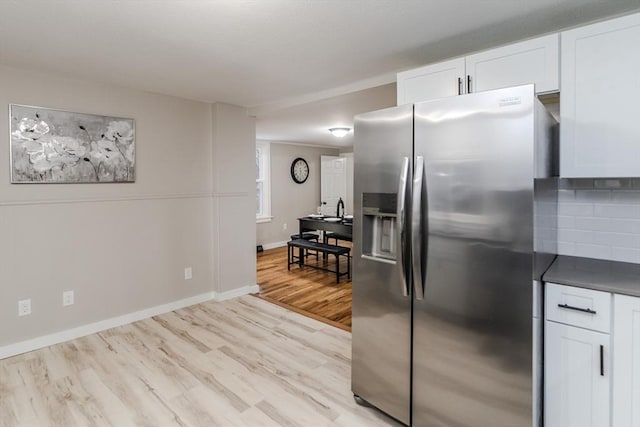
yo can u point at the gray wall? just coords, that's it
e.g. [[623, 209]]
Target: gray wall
[[289, 200], [124, 247], [234, 153], [597, 221]]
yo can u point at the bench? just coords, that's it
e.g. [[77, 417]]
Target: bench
[[335, 250], [307, 236]]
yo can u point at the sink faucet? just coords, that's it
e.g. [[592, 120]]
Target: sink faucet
[[340, 203]]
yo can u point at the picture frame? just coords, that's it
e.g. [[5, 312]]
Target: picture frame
[[57, 146]]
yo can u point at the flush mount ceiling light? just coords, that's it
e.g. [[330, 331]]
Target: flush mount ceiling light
[[339, 132]]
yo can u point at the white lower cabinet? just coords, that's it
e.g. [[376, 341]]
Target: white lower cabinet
[[577, 377], [626, 361], [591, 366], [577, 357]]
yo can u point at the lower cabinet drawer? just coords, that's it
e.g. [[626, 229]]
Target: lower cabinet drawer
[[584, 308]]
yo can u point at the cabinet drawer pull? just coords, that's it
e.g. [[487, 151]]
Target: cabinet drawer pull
[[602, 361], [584, 310]]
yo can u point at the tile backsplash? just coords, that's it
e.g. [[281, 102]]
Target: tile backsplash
[[599, 218]]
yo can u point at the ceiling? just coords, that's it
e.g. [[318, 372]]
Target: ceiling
[[310, 122], [267, 54]]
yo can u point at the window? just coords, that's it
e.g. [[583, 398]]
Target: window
[[263, 178]]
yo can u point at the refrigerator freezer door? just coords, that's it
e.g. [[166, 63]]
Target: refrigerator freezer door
[[472, 339], [381, 339]]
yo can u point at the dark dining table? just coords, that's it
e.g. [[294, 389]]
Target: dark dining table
[[343, 227]]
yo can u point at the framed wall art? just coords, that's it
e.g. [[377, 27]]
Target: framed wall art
[[55, 146]]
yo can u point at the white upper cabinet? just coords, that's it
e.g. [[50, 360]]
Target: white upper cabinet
[[431, 82], [531, 61], [599, 112]]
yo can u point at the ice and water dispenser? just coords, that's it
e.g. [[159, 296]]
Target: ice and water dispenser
[[379, 226]]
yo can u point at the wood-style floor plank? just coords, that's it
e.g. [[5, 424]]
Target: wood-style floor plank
[[307, 291], [239, 363]]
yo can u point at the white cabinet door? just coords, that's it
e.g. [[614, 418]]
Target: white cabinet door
[[600, 131], [626, 362], [532, 61], [576, 390], [431, 82]]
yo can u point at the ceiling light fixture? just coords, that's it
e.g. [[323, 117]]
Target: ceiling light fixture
[[339, 132]]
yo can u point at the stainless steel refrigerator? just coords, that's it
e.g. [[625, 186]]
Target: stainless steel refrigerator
[[454, 219]]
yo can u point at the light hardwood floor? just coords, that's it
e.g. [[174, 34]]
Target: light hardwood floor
[[308, 291], [242, 362]]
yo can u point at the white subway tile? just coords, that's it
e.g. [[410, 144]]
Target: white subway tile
[[576, 236], [593, 224], [544, 233], [623, 240], [625, 255], [544, 208], [550, 246], [575, 209], [592, 251], [566, 222], [617, 211], [547, 221], [566, 248], [625, 225]]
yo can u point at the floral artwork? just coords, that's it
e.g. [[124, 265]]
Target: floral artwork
[[64, 147]]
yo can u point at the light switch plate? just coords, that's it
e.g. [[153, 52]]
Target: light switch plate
[[188, 273]]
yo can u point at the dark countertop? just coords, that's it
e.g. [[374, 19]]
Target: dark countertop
[[601, 275]]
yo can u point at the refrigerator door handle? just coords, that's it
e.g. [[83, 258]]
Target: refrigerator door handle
[[401, 225], [416, 228]]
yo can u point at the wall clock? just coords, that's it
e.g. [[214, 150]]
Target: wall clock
[[299, 170]]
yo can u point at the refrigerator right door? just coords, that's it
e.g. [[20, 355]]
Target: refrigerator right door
[[472, 244]]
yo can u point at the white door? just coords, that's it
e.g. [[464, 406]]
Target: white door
[[533, 61], [576, 389], [348, 201], [333, 179], [626, 362], [431, 82]]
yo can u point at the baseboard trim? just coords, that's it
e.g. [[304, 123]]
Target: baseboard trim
[[102, 325], [234, 293], [274, 245]]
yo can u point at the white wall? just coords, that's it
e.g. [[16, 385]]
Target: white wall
[[123, 247], [595, 221], [289, 200]]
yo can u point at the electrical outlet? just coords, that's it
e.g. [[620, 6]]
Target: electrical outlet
[[67, 298], [24, 307], [284, 226], [188, 273]]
